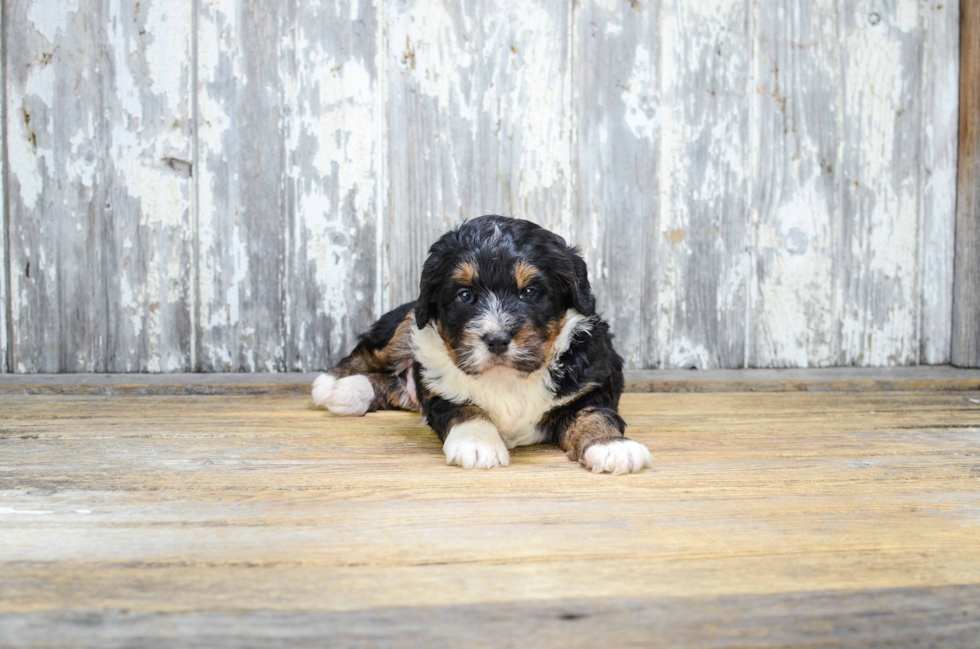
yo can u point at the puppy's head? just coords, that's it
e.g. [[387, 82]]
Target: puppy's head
[[498, 289]]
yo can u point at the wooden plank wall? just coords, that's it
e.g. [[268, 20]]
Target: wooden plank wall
[[243, 185]]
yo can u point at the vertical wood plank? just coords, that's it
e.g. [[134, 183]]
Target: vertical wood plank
[[243, 213], [940, 23], [702, 265], [878, 266], [966, 296], [291, 187], [54, 89], [619, 108], [796, 136], [478, 121], [98, 137], [146, 238], [336, 176], [4, 303]]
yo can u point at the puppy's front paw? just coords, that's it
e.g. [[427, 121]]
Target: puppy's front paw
[[616, 457], [475, 444], [350, 396]]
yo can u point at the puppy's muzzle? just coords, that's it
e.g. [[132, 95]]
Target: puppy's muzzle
[[497, 342]]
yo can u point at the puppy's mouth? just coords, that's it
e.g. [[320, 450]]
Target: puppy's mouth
[[481, 353]]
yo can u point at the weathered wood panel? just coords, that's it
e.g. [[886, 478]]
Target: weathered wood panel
[[336, 177], [940, 22], [99, 108], [619, 112], [4, 302], [796, 210], [764, 184], [702, 267], [966, 300], [878, 278], [661, 175], [243, 213], [479, 122], [98, 101], [55, 209], [291, 182]]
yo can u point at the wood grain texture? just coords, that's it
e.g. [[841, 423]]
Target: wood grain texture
[[784, 513], [98, 108], [479, 122], [966, 295], [900, 618]]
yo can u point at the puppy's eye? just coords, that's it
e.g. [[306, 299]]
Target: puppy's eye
[[527, 293], [465, 297]]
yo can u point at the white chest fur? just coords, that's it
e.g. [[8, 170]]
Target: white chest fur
[[514, 402]]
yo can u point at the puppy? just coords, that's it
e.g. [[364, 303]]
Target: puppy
[[502, 349]]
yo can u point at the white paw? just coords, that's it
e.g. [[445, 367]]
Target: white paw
[[475, 444], [350, 396], [617, 457]]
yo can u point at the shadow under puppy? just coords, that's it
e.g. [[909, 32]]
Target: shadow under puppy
[[503, 348]]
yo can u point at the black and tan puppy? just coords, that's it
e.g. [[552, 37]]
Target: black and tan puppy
[[502, 349]]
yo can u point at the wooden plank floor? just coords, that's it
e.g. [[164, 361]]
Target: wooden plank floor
[[780, 519]]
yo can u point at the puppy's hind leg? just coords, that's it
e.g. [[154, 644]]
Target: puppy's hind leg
[[347, 396], [375, 375]]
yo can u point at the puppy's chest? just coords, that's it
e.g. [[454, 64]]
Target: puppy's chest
[[514, 403]]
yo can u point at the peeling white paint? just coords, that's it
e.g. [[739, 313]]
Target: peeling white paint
[[533, 108], [428, 47], [796, 283], [686, 354], [219, 28], [218, 294], [344, 128], [50, 17], [169, 25], [27, 134], [638, 96]]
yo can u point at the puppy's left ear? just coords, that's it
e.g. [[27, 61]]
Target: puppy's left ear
[[426, 308], [581, 290]]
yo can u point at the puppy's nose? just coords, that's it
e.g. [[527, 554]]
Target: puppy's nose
[[497, 342]]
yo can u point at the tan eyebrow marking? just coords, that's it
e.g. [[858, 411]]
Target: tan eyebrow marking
[[524, 273], [466, 273]]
